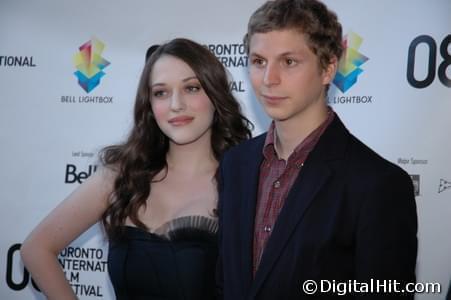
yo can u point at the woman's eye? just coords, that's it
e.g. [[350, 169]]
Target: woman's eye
[[193, 88], [158, 93]]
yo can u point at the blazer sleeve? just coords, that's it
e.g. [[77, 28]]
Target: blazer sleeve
[[386, 237]]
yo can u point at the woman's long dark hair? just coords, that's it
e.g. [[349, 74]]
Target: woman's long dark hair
[[143, 154]]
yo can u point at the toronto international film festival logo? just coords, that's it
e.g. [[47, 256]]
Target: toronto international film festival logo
[[350, 62], [90, 64]]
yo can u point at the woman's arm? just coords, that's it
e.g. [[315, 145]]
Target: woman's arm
[[79, 211]]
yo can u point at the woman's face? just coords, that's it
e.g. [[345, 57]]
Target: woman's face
[[180, 105]]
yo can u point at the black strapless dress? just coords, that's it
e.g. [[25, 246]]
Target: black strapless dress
[[176, 261]]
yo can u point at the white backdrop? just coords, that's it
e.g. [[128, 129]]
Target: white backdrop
[[49, 144]]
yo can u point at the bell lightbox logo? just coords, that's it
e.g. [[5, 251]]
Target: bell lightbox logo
[[350, 62], [90, 64]]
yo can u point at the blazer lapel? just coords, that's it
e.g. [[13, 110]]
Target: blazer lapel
[[311, 179], [250, 169]]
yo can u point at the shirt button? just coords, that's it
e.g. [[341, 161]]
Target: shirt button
[[299, 165], [277, 184], [267, 228]]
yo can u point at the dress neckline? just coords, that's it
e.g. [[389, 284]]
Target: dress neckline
[[196, 222]]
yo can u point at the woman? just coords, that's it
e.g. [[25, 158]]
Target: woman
[[156, 195]]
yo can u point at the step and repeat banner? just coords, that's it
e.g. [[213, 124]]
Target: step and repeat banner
[[393, 92]]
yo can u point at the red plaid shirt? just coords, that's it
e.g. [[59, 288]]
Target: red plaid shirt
[[275, 181]]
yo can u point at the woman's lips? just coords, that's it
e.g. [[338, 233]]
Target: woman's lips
[[181, 120]]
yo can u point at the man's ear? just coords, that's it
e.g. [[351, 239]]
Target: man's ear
[[331, 69]]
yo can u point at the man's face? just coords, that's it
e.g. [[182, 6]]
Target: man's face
[[286, 75]]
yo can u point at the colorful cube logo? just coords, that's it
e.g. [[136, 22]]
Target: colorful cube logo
[[90, 64], [349, 64]]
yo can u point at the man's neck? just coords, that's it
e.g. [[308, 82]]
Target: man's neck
[[290, 133]]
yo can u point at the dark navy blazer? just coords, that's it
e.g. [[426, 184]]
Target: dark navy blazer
[[350, 215]]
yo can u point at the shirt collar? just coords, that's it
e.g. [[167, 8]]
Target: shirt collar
[[270, 148]]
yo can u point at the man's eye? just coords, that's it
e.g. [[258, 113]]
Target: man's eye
[[258, 62], [290, 62]]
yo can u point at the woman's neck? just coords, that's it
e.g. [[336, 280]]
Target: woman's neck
[[193, 158]]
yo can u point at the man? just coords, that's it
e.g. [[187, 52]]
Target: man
[[307, 200]]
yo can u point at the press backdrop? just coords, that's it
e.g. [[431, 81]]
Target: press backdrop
[[392, 91]]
